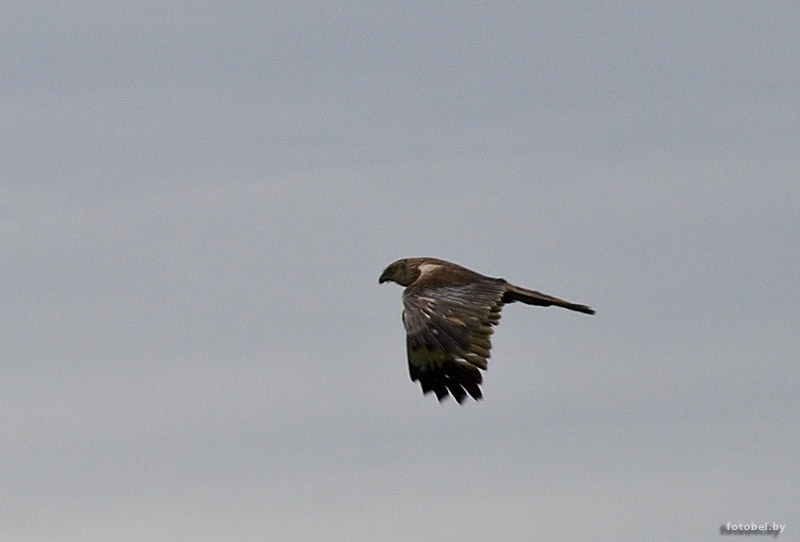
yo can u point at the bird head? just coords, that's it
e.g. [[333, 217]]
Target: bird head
[[403, 272]]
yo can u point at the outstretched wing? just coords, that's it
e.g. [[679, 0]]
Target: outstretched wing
[[448, 334]]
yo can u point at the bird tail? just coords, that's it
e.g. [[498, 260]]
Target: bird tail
[[530, 297]]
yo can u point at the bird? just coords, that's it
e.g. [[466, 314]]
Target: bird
[[449, 313]]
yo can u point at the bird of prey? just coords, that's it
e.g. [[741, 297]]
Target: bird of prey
[[448, 313]]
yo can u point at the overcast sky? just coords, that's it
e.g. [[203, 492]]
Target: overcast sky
[[197, 199]]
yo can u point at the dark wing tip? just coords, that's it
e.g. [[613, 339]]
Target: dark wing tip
[[456, 378]]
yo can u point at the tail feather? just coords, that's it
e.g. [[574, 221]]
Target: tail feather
[[530, 297]]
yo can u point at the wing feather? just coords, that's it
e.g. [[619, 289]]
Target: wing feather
[[448, 334]]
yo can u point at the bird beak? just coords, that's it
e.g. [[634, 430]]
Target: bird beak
[[384, 278]]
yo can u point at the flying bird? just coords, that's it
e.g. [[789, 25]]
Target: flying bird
[[448, 313]]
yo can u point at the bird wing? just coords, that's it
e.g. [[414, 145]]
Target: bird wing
[[448, 331]]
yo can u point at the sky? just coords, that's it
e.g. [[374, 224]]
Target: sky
[[197, 199]]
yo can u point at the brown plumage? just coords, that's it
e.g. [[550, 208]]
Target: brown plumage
[[448, 313]]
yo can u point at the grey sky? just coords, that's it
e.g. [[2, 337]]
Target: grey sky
[[196, 201]]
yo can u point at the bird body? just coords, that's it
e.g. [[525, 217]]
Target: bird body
[[449, 312]]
